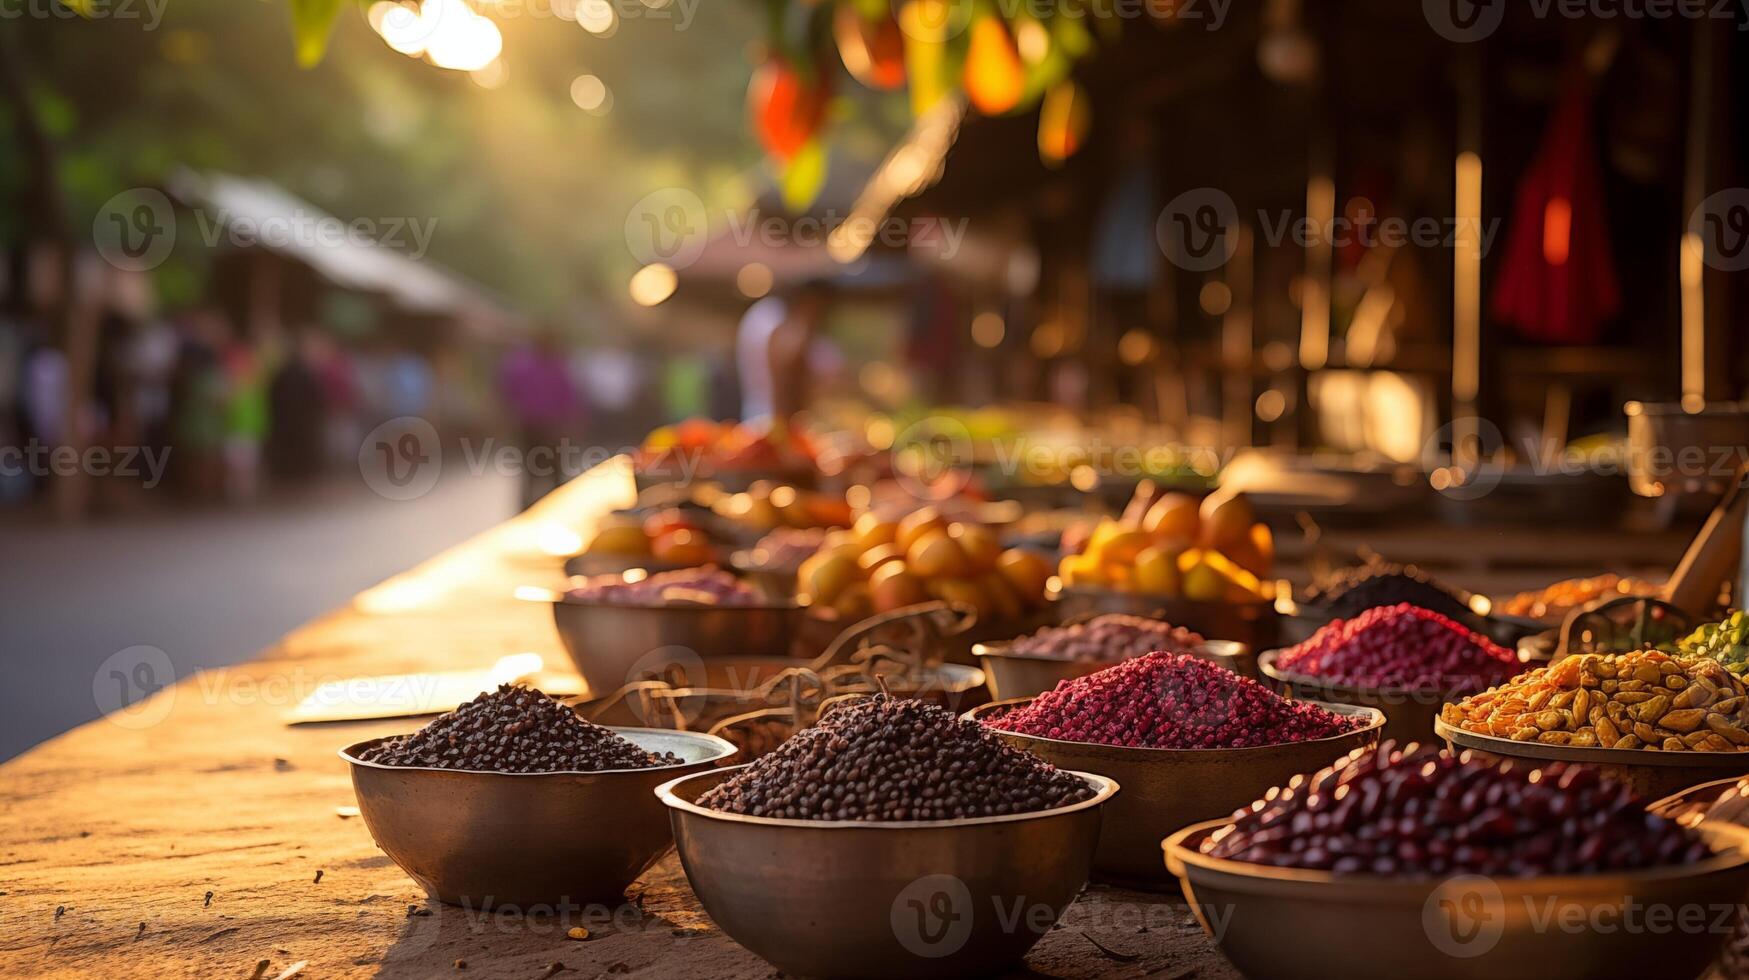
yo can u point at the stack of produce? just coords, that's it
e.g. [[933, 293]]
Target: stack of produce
[[1726, 641], [705, 586], [885, 759], [1645, 699], [766, 505], [1555, 601], [669, 535], [1171, 701], [881, 565], [1352, 591], [1107, 638], [1178, 548], [1421, 813], [704, 446], [515, 729], [1400, 646]]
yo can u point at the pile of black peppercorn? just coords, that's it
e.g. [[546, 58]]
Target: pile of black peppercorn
[[1348, 592], [515, 729], [883, 758]]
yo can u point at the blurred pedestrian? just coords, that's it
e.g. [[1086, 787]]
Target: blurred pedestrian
[[295, 432], [772, 348], [537, 388]]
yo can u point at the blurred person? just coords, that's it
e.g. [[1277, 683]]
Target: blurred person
[[296, 414], [772, 347], [246, 419], [342, 403], [197, 406], [409, 385], [536, 386], [609, 379]]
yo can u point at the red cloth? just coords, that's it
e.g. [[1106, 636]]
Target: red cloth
[[1565, 302]]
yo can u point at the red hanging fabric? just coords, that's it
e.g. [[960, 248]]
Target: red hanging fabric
[[1557, 279]]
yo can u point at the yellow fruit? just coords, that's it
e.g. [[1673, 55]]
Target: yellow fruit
[[871, 530], [1076, 537], [1203, 583], [916, 524], [1226, 520], [1004, 601], [1173, 518], [893, 587], [824, 577], [1026, 571], [1120, 549], [1157, 573], [623, 539], [1255, 554], [961, 590], [879, 555], [854, 602], [1082, 570], [935, 555], [978, 542]]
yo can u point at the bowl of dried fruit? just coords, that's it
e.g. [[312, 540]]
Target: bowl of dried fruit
[[891, 839], [1657, 722], [1035, 663], [1187, 741], [514, 800], [1412, 862]]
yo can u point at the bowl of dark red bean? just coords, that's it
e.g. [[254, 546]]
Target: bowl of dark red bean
[[512, 800], [890, 839], [1406, 861], [1033, 664], [1405, 660], [618, 629], [1187, 741]]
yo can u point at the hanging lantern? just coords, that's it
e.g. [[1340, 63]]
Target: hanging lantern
[[1063, 121], [873, 50], [785, 108], [994, 77]]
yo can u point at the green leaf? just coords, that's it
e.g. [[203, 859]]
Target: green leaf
[[312, 23], [804, 176]]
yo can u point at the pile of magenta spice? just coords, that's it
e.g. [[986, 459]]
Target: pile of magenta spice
[[1401, 646], [706, 585], [1112, 637], [515, 729], [1171, 701], [883, 759], [1413, 811]]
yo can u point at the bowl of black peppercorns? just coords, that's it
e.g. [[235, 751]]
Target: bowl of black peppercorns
[[513, 800], [891, 839]]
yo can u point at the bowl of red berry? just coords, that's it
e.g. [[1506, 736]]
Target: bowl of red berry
[[890, 839], [1186, 739], [621, 628], [514, 800], [1035, 663], [1405, 660], [1402, 860]]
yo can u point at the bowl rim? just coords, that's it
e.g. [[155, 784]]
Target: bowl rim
[[1000, 650], [1100, 590], [1715, 787], [1105, 788], [1730, 846], [1595, 755], [1266, 666], [1376, 723], [722, 746], [679, 608]]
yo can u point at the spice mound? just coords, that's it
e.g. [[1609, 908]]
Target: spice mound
[[1112, 637], [515, 729], [1352, 591], [706, 585], [881, 758], [1640, 700], [1409, 811], [1171, 701], [1555, 601], [1400, 646]]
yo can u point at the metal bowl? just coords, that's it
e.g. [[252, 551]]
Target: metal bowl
[[1701, 796], [928, 898], [1290, 923], [1409, 712], [1653, 774], [1023, 675], [1255, 624], [1164, 789], [615, 643], [484, 839]]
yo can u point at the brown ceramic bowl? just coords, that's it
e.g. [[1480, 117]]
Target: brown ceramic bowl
[[1409, 712], [615, 643], [1652, 774], [487, 839], [1165, 789]]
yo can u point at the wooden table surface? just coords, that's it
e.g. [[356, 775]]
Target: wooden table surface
[[113, 835]]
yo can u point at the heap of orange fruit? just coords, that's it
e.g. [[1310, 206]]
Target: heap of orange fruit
[[766, 505], [716, 447], [667, 536], [879, 565], [1212, 550]]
